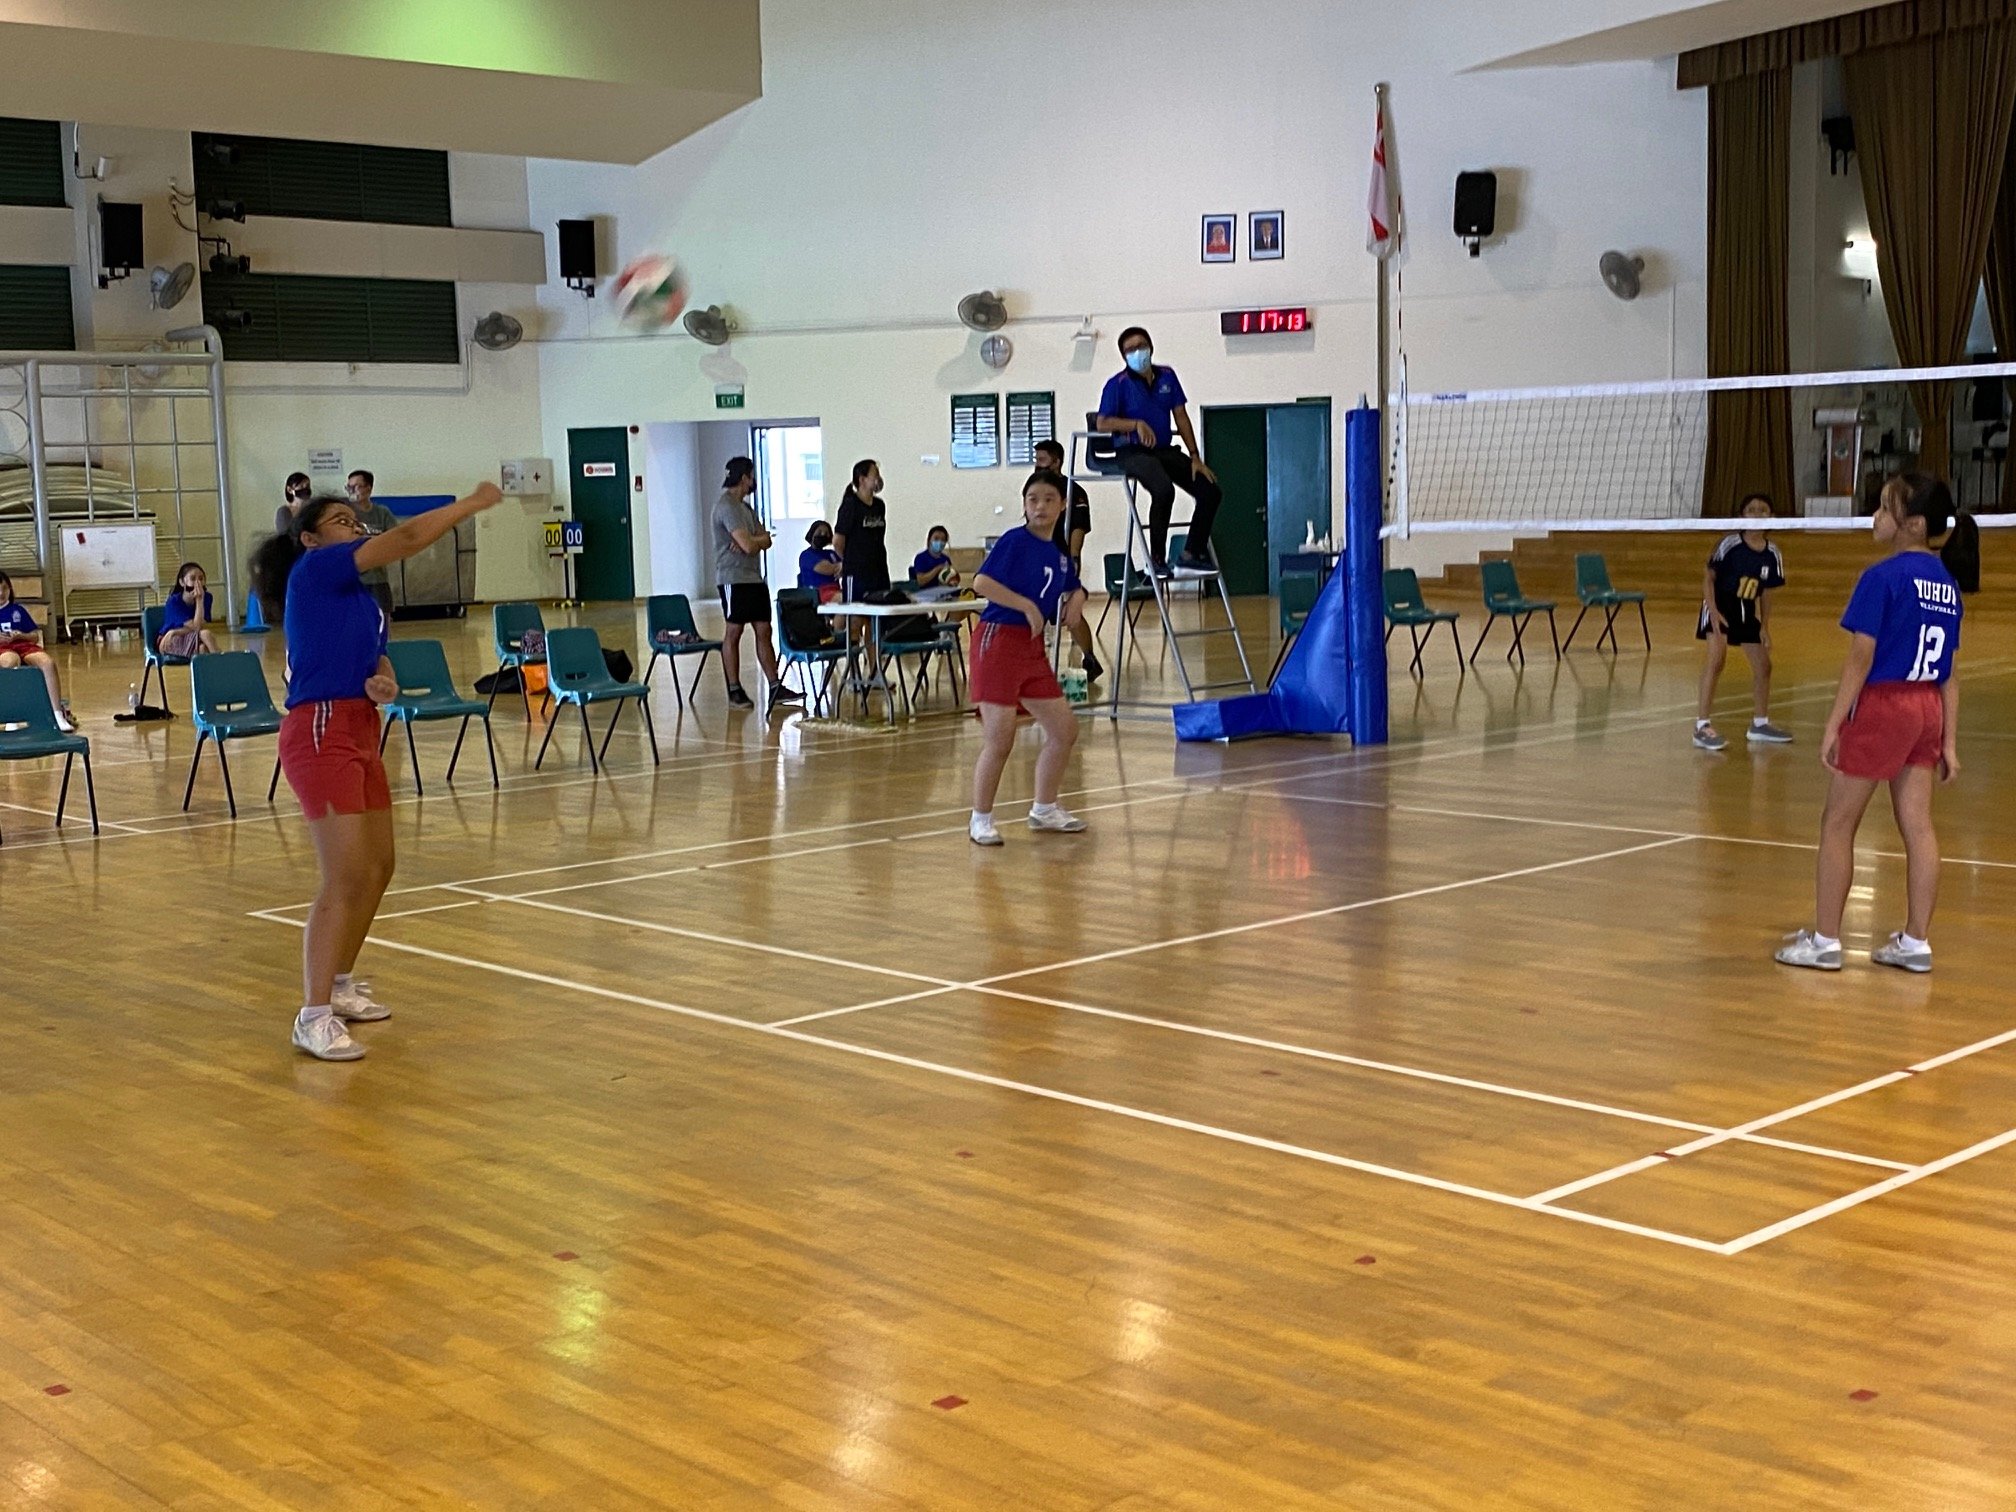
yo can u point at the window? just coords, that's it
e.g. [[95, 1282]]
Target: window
[[398, 186], [297, 318], [31, 162], [35, 310]]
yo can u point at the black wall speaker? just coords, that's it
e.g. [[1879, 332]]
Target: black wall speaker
[[577, 251], [121, 247], [1476, 207]]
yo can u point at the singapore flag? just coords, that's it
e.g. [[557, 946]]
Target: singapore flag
[[1382, 236]]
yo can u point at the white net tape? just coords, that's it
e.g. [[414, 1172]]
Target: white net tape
[[1633, 456]]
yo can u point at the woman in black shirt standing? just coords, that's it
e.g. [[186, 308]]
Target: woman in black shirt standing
[[860, 534]]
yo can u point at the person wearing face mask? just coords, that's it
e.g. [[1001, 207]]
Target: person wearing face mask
[[933, 567], [819, 563], [298, 491], [1144, 406], [861, 533], [376, 520]]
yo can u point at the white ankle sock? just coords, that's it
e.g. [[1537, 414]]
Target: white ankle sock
[[1915, 946], [1702, 724], [1824, 942], [342, 980], [310, 1014], [983, 818], [1045, 809], [1758, 722]]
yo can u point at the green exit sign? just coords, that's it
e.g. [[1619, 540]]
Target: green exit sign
[[728, 398]]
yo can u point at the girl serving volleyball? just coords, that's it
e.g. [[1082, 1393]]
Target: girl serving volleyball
[[1028, 583], [1896, 718], [309, 577]]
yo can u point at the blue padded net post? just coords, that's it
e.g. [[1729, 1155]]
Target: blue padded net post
[[1363, 569]]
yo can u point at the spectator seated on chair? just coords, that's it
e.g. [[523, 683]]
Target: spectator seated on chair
[[185, 613], [819, 563], [21, 646], [933, 567]]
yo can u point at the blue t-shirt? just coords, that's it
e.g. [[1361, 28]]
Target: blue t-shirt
[[1032, 566], [336, 632], [928, 562], [808, 563], [175, 612], [1910, 605], [16, 619], [1128, 397]]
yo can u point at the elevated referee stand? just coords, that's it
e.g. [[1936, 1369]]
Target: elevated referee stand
[[1094, 459]]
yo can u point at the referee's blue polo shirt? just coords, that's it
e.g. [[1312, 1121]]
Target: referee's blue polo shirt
[[1131, 397]]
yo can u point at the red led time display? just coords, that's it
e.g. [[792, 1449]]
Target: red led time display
[[1279, 320]]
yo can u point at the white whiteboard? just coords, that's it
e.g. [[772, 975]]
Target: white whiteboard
[[109, 556]]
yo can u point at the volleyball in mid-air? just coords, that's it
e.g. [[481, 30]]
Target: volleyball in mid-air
[[650, 292]]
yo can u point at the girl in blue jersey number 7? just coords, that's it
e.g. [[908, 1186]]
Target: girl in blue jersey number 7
[[1896, 718], [337, 676]]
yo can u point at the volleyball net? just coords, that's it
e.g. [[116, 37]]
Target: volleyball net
[[1636, 456]]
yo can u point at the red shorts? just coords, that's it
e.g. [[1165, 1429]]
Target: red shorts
[[22, 649], [1894, 725], [1011, 666], [329, 752]]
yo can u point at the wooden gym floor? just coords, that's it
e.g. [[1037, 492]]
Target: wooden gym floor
[[1418, 1127]]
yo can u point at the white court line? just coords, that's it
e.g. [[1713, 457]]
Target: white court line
[[1855, 1199], [1052, 1094], [1330, 912], [71, 814], [1827, 1100]]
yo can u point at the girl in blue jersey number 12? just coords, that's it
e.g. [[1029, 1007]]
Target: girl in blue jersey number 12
[[310, 578], [1896, 718]]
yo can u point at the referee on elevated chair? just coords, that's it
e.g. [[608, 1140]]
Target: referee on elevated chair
[[1141, 405]]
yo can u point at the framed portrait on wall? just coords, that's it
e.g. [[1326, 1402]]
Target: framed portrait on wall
[[1265, 241], [1221, 238]]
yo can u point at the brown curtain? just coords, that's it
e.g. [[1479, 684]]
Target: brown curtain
[[2001, 280], [1932, 134], [1837, 37], [1749, 158]]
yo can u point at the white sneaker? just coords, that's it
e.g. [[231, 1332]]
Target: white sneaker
[[65, 723], [1057, 822], [982, 832], [1805, 949], [1895, 954], [356, 1004], [325, 1038]]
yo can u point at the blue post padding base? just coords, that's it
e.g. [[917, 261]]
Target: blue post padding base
[[1334, 680]]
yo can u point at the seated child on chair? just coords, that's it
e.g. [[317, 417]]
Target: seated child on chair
[[21, 645], [184, 613]]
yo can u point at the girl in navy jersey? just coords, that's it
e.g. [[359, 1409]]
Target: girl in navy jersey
[[1896, 718], [1027, 583], [337, 676], [1736, 611]]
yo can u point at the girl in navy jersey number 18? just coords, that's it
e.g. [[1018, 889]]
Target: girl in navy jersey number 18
[[309, 577], [1027, 583], [1896, 718]]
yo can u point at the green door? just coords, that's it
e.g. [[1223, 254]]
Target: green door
[[1298, 478], [598, 473], [1235, 444]]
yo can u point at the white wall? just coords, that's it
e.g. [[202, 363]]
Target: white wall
[[903, 156]]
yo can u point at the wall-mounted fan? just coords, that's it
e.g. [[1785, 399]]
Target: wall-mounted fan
[[498, 332], [710, 325], [983, 311], [1621, 274], [168, 286]]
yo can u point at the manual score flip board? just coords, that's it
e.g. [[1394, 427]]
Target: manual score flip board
[[109, 556]]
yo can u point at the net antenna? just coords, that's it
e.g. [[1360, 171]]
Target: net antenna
[[1633, 456]]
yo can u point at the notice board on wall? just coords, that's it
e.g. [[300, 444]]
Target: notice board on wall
[[1032, 417], [976, 430]]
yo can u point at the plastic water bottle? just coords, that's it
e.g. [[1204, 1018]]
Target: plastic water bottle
[[132, 697]]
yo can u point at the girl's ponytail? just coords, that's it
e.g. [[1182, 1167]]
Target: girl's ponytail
[[272, 561], [1962, 553]]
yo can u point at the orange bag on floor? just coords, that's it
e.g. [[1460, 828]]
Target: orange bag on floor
[[535, 678]]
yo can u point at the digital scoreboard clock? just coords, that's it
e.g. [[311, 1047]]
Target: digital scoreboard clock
[[1277, 320]]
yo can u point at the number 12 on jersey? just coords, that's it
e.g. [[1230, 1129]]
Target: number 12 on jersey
[[1931, 647]]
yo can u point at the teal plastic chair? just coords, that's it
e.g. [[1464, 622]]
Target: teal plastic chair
[[426, 694], [944, 645], [579, 676], [29, 732], [508, 624], [673, 613], [1133, 599], [150, 636], [232, 703], [1298, 598], [1503, 600], [1593, 588], [820, 660], [1405, 606]]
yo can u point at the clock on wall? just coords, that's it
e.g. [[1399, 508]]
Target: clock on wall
[[1275, 320]]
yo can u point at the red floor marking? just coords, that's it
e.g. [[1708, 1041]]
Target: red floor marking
[[1534, 1011], [963, 1154], [56, 1391], [947, 1403], [1270, 1073], [565, 1255], [1366, 1260], [1864, 1395]]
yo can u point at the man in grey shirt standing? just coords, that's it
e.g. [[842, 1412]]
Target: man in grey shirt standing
[[376, 520], [739, 543]]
